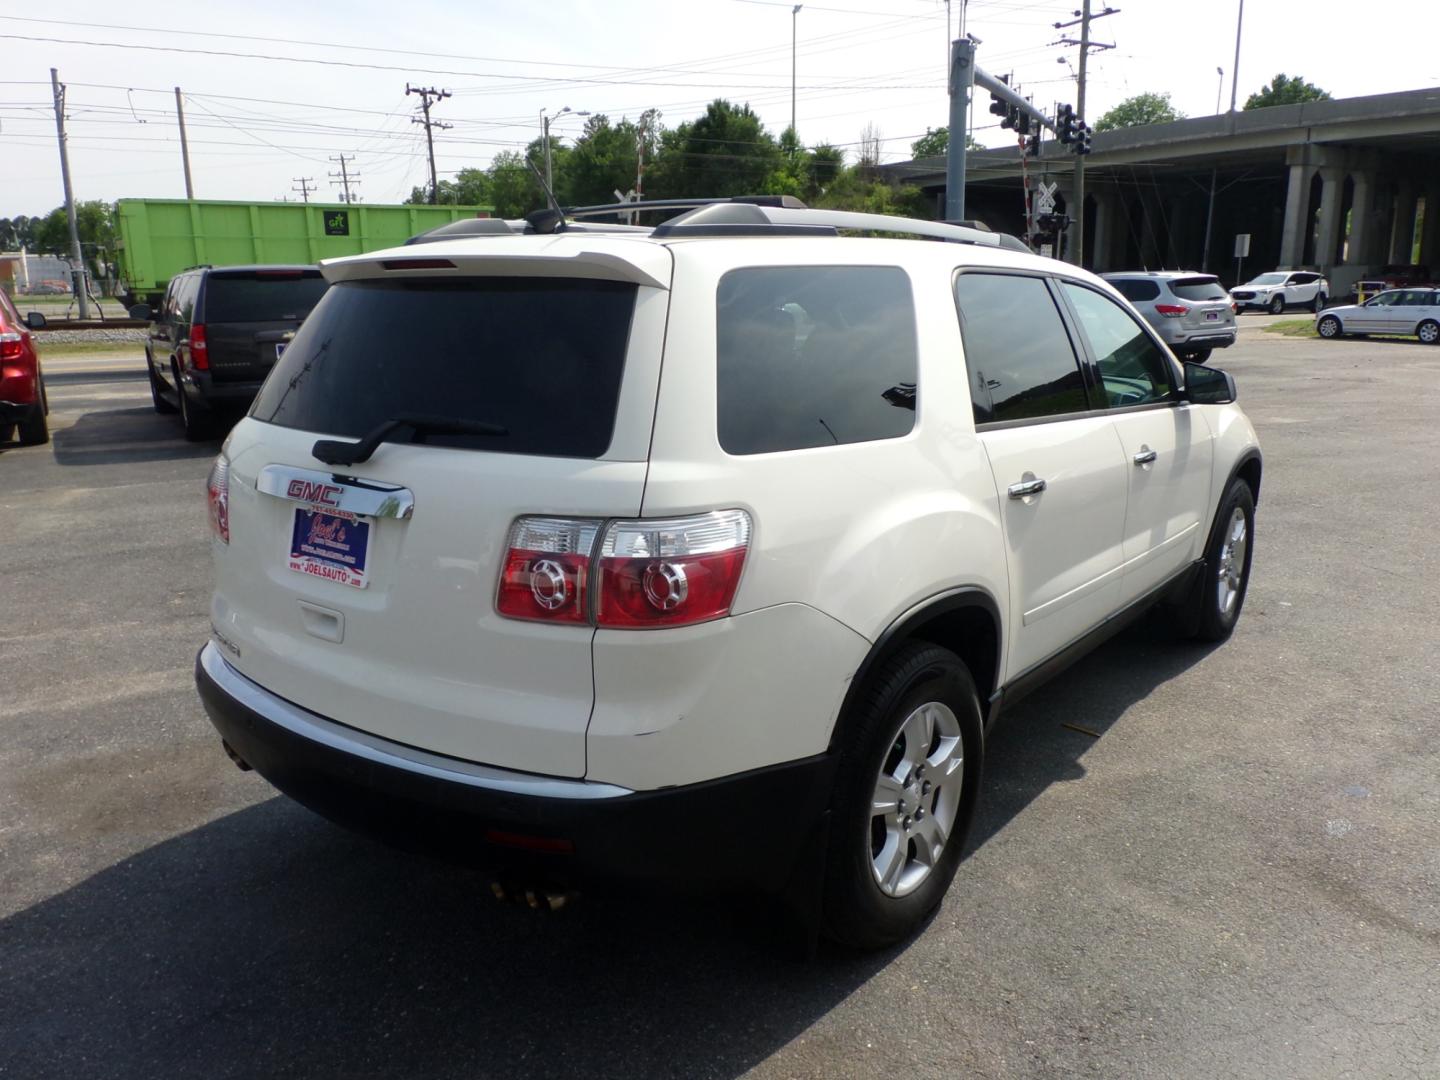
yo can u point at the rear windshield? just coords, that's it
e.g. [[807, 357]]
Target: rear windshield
[[1198, 288], [541, 357], [1135, 290], [262, 297]]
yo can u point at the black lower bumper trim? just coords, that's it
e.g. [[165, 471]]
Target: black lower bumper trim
[[745, 830]]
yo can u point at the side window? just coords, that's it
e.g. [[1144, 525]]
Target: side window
[[167, 305], [814, 356], [1133, 369], [1136, 291], [1020, 360], [185, 299]]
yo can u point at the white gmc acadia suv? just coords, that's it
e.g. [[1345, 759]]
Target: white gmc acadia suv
[[704, 552]]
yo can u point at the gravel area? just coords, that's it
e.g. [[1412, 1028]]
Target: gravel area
[[118, 336]]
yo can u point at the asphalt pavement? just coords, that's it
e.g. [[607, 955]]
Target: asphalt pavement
[[1237, 874]]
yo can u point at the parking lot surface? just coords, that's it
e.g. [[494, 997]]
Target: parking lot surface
[[1187, 861]]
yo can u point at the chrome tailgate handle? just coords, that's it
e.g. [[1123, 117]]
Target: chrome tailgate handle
[[1026, 487], [1145, 457], [366, 498]]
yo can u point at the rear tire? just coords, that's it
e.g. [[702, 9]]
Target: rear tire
[[36, 430], [1428, 332], [1319, 303], [197, 428], [1277, 305], [914, 738], [1329, 328], [157, 397]]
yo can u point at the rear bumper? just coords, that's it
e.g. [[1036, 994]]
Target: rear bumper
[[203, 389], [747, 829], [14, 413], [1208, 339]]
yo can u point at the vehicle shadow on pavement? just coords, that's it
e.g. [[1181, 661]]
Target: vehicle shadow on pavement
[[122, 436], [271, 943], [1030, 749]]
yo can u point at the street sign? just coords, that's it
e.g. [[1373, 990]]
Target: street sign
[[1045, 198], [1242, 245]]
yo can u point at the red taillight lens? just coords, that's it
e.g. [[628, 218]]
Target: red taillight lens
[[11, 346], [546, 576], [671, 572], [199, 350], [1172, 311], [217, 496]]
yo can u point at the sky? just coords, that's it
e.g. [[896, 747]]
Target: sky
[[319, 81]]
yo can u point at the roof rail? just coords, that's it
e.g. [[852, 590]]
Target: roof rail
[[788, 201]]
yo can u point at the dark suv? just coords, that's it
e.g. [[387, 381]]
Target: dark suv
[[217, 334]]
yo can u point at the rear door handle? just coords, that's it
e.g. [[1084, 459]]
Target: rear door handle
[[1145, 457], [1026, 487]]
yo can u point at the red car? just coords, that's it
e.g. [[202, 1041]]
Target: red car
[[22, 387]]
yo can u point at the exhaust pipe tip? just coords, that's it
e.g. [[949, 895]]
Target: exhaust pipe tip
[[240, 762]]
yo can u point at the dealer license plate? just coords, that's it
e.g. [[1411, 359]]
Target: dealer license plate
[[330, 545], [1212, 316]]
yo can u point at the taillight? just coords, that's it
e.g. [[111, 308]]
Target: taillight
[[1172, 311], [662, 572], [546, 576], [671, 571], [217, 496], [199, 350], [11, 346]]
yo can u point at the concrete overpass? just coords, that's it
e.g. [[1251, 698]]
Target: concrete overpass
[[1343, 187]]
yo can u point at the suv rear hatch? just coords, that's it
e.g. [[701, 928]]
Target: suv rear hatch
[[1208, 303], [250, 315], [551, 356]]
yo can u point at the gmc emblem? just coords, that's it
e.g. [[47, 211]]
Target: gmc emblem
[[311, 492]]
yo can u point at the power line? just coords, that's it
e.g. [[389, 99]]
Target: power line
[[346, 178]]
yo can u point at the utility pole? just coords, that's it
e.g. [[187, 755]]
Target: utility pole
[[794, 16], [1235, 68], [545, 138], [77, 269], [426, 94], [184, 144], [1076, 254], [962, 77], [304, 188], [346, 178]]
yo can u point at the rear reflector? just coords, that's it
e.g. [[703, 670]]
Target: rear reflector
[[530, 843]]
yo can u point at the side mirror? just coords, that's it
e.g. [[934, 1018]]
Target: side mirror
[[35, 321], [141, 311], [1208, 386]]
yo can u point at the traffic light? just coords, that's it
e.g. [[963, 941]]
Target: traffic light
[[1082, 138], [1065, 124], [1022, 122], [998, 105], [1032, 144]]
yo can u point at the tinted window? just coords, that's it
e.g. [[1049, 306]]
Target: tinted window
[[1198, 288], [185, 297], [1132, 367], [261, 297], [1019, 357], [814, 356], [1415, 298], [1137, 290], [542, 357]]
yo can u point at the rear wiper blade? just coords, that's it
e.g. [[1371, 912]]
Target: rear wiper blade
[[335, 452]]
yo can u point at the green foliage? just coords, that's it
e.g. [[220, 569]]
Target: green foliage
[[18, 232], [854, 190], [471, 187], [513, 190], [727, 151], [1138, 111], [936, 143], [606, 158], [1285, 90], [94, 221]]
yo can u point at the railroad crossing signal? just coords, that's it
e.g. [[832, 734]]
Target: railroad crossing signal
[[1045, 197]]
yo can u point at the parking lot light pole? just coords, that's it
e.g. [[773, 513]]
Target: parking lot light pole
[[794, 16], [545, 137]]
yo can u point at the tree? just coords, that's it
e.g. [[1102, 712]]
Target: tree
[[1138, 111], [18, 232], [1285, 90], [870, 146], [513, 190], [823, 166], [94, 221], [605, 158], [471, 187], [727, 151], [936, 143]]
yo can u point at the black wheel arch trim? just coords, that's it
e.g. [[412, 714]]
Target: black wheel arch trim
[[1251, 454], [902, 629]]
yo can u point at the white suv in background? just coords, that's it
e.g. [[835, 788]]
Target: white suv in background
[[702, 552], [1279, 289]]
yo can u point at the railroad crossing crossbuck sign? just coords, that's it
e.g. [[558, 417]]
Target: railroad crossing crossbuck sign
[[1045, 197]]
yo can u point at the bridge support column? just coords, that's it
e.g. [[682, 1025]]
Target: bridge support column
[[1107, 225], [1297, 212], [1327, 239], [1402, 237], [1360, 241], [1430, 236]]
